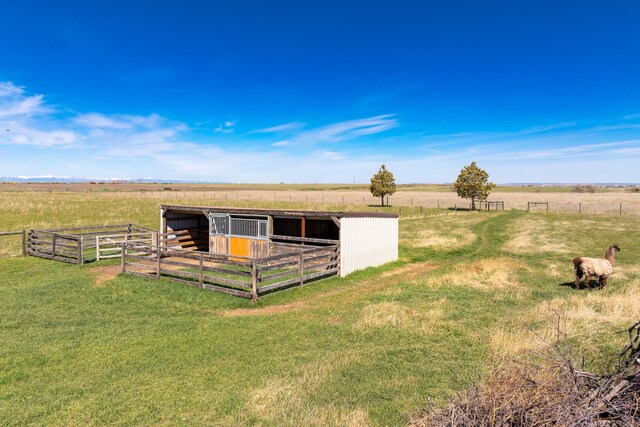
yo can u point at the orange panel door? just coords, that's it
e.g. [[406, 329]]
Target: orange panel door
[[240, 246]]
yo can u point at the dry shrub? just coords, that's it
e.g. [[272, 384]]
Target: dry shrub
[[551, 392]]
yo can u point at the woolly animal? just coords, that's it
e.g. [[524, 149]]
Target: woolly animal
[[599, 268]]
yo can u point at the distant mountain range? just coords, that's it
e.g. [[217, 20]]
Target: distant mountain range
[[73, 179]]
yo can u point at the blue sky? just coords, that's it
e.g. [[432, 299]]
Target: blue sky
[[321, 91]]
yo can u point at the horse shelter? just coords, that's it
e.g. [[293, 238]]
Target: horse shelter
[[251, 252]]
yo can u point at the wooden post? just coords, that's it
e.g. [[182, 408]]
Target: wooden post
[[24, 243], [158, 257], [53, 247], [455, 209], [528, 203], [200, 272], [620, 208], [97, 248], [301, 267], [438, 204], [123, 263], [547, 207], [420, 210], [303, 229], [80, 260], [254, 281], [580, 207]]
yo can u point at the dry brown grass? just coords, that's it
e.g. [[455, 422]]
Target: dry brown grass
[[391, 314], [530, 236], [486, 275], [597, 312], [289, 400], [586, 315]]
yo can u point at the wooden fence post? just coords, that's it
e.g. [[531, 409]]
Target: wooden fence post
[[80, 260], [301, 267], [254, 281], [24, 243], [53, 247], [580, 207], [158, 256], [123, 263], [200, 273]]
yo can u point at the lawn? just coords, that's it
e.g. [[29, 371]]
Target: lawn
[[368, 349]]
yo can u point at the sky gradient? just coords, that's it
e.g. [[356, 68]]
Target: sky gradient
[[323, 92]]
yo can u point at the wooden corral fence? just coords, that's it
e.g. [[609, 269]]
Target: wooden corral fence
[[22, 233], [534, 204], [79, 245], [233, 275]]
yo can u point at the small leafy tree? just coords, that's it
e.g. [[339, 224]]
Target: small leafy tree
[[473, 183], [382, 183]]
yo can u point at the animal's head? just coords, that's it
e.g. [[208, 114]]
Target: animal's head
[[615, 248]]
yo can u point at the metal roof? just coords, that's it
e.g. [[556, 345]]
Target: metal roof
[[277, 212]]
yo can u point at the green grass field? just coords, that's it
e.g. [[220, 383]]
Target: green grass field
[[364, 350]]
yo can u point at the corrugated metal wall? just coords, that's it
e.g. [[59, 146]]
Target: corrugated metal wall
[[367, 242]]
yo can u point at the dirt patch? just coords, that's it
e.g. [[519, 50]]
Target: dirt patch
[[351, 293], [264, 311], [409, 271], [104, 273]]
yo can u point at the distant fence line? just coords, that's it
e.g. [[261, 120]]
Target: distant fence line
[[397, 201]]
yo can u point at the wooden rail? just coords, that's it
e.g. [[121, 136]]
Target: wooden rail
[[248, 278], [78, 245], [534, 204]]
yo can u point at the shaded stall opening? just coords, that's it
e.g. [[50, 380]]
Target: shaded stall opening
[[187, 231], [305, 228]]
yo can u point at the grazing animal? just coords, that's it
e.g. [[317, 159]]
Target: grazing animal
[[586, 268]]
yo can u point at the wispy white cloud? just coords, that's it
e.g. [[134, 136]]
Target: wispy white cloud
[[225, 127], [291, 126], [342, 131], [24, 120], [15, 103]]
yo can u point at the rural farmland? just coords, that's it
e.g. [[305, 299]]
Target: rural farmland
[[84, 345]]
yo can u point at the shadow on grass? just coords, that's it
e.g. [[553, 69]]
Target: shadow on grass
[[592, 285]]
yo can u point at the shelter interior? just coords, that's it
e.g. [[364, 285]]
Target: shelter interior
[[247, 233]]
